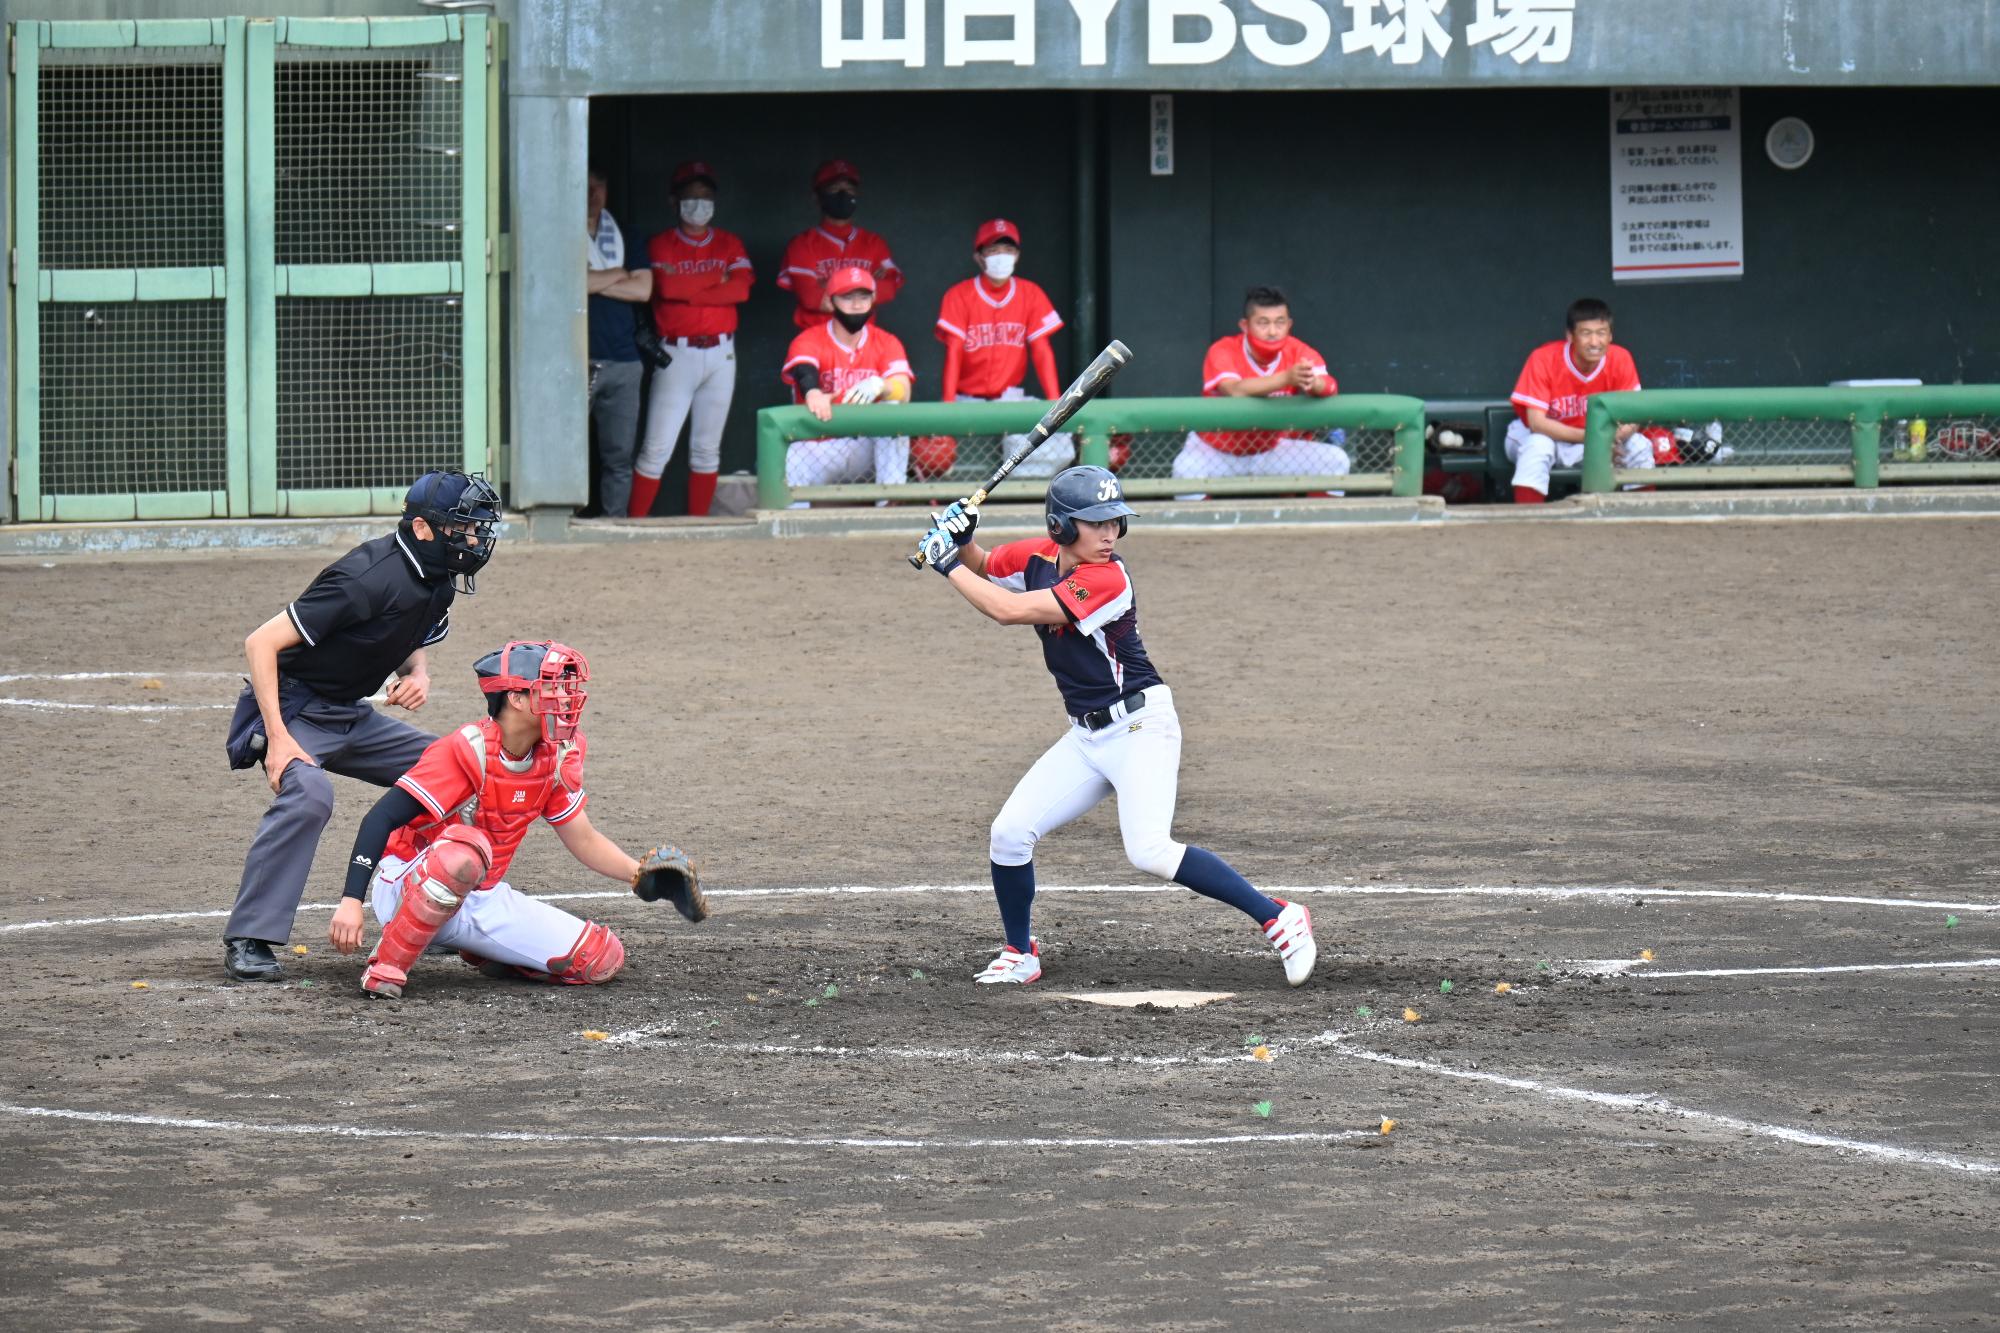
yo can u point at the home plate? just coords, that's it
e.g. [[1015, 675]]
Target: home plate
[[1164, 999]]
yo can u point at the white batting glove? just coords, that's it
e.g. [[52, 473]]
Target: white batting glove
[[867, 391]]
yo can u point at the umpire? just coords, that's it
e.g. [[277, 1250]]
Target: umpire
[[313, 665]]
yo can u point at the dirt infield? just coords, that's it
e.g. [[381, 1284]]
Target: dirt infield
[[1714, 736]]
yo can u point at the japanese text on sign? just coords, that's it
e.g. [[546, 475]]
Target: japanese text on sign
[[1676, 184]]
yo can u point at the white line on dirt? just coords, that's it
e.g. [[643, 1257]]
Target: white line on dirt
[[669, 1140], [1654, 1104], [1809, 971], [943, 1055], [58, 705], [1429, 891]]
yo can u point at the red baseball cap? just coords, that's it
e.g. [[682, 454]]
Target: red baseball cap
[[996, 229], [833, 170], [693, 171], [849, 279]]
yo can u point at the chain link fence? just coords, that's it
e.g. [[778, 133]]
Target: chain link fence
[[368, 390], [1697, 442], [1968, 439], [369, 155], [133, 397], [130, 158]]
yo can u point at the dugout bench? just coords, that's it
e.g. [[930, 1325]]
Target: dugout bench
[[1479, 472]]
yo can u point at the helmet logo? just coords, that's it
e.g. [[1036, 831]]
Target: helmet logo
[[1107, 489]]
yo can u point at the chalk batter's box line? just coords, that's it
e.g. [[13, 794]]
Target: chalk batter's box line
[[1359, 890]]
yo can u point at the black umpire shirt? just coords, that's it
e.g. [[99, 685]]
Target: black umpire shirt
[[362, 618]]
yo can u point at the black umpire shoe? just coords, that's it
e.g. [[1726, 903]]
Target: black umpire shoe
[[245, 959]]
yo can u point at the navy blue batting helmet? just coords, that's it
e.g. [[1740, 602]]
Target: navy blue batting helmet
[[1085, 492]]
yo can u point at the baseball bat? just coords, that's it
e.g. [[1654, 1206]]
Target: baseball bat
[[1081, 390]]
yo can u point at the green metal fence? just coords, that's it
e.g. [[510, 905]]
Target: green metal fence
[[1862, 437], [252, 263], [1243, 446]]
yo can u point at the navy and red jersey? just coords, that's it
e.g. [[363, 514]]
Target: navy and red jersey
[[1096, 658], [467, 768]]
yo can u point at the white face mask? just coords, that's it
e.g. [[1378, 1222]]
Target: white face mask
[[697, 212], [1000, 265]]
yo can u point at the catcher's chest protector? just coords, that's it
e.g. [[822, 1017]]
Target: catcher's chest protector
[[513, 793]]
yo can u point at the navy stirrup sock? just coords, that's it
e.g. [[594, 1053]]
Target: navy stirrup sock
[[1014, 887], [1211, 877]]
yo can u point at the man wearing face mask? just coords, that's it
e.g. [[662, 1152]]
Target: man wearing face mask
[[700, 274], [991, 326], [835, 243], [847, 359], [1261, 360]]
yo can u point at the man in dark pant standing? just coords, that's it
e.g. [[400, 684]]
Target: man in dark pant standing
[[312, 667]]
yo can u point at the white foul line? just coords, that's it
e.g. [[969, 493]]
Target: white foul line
[[931, 1055], [1661, 1106], [1805, 971], [1388, 890], [670, 1140], [60, 705]]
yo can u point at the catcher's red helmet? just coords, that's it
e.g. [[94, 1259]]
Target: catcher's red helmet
[[552, 674]]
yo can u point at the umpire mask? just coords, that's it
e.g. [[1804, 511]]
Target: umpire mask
[[462, 512]]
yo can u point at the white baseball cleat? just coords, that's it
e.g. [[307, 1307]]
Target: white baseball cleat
[[1014, 968], [1291, 932]]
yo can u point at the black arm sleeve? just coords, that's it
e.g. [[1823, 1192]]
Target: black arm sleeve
[[806, 377], [396, 808]]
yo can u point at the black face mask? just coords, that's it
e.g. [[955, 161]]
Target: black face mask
[[853, 323], [838, 205]]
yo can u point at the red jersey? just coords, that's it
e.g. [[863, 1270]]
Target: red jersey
[[875, 352], [995, 331], [697, 284], [465, 777], [1231, 358], [1552, 382], [813, 255]]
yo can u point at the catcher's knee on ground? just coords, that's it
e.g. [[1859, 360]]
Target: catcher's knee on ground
[[596, 956]]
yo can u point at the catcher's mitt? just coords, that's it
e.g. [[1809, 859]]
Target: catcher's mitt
[[666, 872]]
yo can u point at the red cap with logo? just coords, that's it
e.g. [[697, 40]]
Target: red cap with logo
[[693, 171], [834, 170], [850, 279], [996, 229]]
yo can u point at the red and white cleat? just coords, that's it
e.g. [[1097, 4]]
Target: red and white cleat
[[1291, 933], [1014, 968]]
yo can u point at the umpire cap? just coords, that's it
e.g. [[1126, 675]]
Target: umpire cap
[[1085, 492]]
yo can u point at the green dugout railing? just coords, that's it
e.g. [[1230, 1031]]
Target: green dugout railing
[[1382, 433], [253, 268], [1862, 437]]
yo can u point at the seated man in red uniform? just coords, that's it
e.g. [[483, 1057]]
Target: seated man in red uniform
[[434, 851], [1552, 399], [847, 359]]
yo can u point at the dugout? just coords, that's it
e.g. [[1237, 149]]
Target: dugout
[[1429, 216]]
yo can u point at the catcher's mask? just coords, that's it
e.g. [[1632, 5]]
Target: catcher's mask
[[461, 511], [551, 674], [1084, 492]]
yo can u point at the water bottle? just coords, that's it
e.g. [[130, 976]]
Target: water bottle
[[1919, 436]]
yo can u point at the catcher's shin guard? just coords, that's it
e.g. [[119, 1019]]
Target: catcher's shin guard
[[433, 887], [596, 956]]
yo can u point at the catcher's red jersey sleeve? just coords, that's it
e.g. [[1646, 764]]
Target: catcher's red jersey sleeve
[[445, 776]]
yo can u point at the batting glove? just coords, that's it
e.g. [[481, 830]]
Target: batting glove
[[867, 391], [940, 551], [959, 519]]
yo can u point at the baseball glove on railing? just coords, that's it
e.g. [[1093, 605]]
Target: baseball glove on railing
[[666, 872]]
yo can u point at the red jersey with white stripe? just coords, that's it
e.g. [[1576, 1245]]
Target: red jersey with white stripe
[[995, 329], [684, 269], [876, 351], [1232, 358], [1552, 382], [813, 255], [465, 777], [1096, 657]]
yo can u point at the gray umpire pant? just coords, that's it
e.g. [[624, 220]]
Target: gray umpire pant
[[352, 740], [614, 406]]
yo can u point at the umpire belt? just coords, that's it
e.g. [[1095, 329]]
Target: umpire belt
[[1104, 717]]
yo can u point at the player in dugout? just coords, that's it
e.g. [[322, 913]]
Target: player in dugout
[[1552, 398]]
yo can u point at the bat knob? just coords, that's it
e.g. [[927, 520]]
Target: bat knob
[[917, 560]]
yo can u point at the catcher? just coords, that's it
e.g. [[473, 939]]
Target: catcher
[[434, 850]]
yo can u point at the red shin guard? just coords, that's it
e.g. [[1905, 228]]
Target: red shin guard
[[433, 887]]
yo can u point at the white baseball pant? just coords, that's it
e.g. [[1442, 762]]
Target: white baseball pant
[[1535, 455], [699, 382], [1138, 757], [1057, 452], [1287, 458], [880, 458], [499, 923]]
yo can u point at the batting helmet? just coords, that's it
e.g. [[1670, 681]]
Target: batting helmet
[[552, 674], [1085, 492]]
